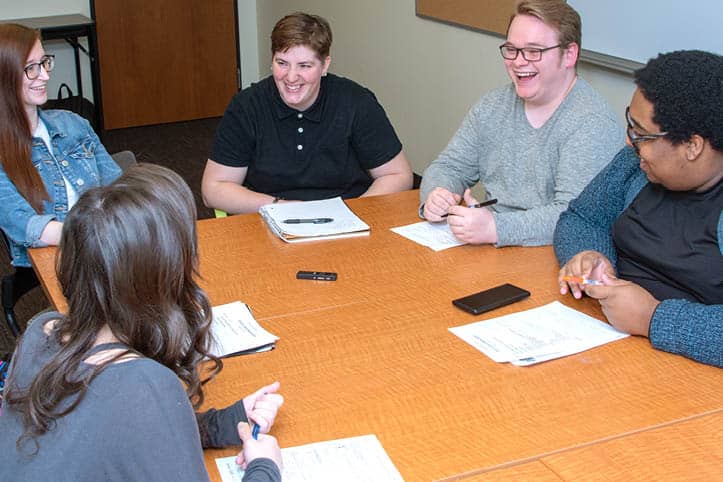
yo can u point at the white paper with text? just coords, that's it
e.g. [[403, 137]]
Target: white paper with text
[[234, 331], [354, 459], [437, 236], [540, 334]]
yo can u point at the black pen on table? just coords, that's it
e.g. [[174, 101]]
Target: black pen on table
[[308, 220], [488, 202]]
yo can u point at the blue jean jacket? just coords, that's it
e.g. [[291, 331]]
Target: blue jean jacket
[[79, 156]]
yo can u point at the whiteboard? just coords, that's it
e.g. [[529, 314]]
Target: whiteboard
[[640, 29]]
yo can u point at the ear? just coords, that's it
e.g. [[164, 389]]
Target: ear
[[571, 54], [694, 147], [327, 62]]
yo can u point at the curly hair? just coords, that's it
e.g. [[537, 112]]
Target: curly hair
[[128, 260], [686, 90]]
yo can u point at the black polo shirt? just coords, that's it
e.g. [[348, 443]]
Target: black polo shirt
[[319, 153]]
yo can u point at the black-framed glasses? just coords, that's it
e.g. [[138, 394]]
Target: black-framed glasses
[[531, 54], [32, 71], [636, 138]]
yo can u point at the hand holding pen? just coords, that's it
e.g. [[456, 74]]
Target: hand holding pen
[[256, 446], [584, 269], [488, 202], [471, 224]]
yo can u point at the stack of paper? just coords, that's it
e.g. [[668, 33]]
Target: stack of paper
[[437, 236], [537, 335], [234, 331], [295, 222], [355, 459]]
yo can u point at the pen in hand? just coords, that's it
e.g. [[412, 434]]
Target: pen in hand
[[255, 431], [489, 202], [308, 220], [582, 280]]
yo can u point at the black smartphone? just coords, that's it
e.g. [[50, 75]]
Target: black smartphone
[[490, 299]]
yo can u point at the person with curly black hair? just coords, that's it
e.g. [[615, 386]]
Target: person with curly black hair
[[645, 237]]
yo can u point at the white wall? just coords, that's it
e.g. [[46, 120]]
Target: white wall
[[64, 61], [426, 74], [248, 41]]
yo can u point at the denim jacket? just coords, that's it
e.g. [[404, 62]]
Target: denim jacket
[[79, 156]]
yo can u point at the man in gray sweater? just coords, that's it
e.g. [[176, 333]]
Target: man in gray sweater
[[534, 143]]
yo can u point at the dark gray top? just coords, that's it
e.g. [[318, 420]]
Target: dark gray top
[[135, 423]]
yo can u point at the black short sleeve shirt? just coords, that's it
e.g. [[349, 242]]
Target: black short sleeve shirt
[[667, 242], [319, 153]]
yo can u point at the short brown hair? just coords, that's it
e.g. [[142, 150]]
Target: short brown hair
[[558, 15], [301, 28]]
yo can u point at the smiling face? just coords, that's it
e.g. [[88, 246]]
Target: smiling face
[[297, 73], [542, 82], [35, 92]]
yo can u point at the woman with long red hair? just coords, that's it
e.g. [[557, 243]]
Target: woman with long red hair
[[47, 158]]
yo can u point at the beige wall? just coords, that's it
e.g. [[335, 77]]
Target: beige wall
[[64, 59], [425, 74]]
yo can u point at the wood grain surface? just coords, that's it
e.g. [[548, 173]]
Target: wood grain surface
[[371, 352]]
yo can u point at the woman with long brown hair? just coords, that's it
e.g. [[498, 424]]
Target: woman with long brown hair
[[95, 394], [47, 158]]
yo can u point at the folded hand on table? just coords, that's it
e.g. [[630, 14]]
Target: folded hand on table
[[627, 306], [438, 203], [472, 225]]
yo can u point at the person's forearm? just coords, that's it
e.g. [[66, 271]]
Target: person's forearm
[[390, 183], [234, 198], [690, 329]]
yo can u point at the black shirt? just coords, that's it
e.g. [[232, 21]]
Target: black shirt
[[319, 153], [667, 242]]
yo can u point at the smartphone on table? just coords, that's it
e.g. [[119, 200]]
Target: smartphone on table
[[490, 299]]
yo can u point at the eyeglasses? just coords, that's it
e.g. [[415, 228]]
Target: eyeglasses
[[531, 54], [32, 71], [636, 138]]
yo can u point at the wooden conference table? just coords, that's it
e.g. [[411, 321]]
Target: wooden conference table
[[371, 354]]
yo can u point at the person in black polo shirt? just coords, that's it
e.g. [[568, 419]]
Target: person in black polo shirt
[[302, 134]]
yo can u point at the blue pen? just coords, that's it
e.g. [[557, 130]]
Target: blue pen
[[255, 431]]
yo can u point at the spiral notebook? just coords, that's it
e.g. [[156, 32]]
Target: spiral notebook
[[297, 222]]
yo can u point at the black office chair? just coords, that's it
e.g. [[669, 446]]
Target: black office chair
[[16, 284], [14, 287], [416, 180]]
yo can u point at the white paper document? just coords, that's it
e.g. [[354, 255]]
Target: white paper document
[[355, 459], [234, 331], [295, 221], [436, 236], [540, 334]]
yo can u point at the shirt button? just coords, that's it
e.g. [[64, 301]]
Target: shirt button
[[299, 115], [300, 129], [64, 163], [299, 147], [80, 182]]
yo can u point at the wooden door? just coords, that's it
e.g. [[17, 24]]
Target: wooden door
[[165, 60]]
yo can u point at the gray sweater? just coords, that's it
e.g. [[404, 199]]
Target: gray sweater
[[533, 173], [135, 423]]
